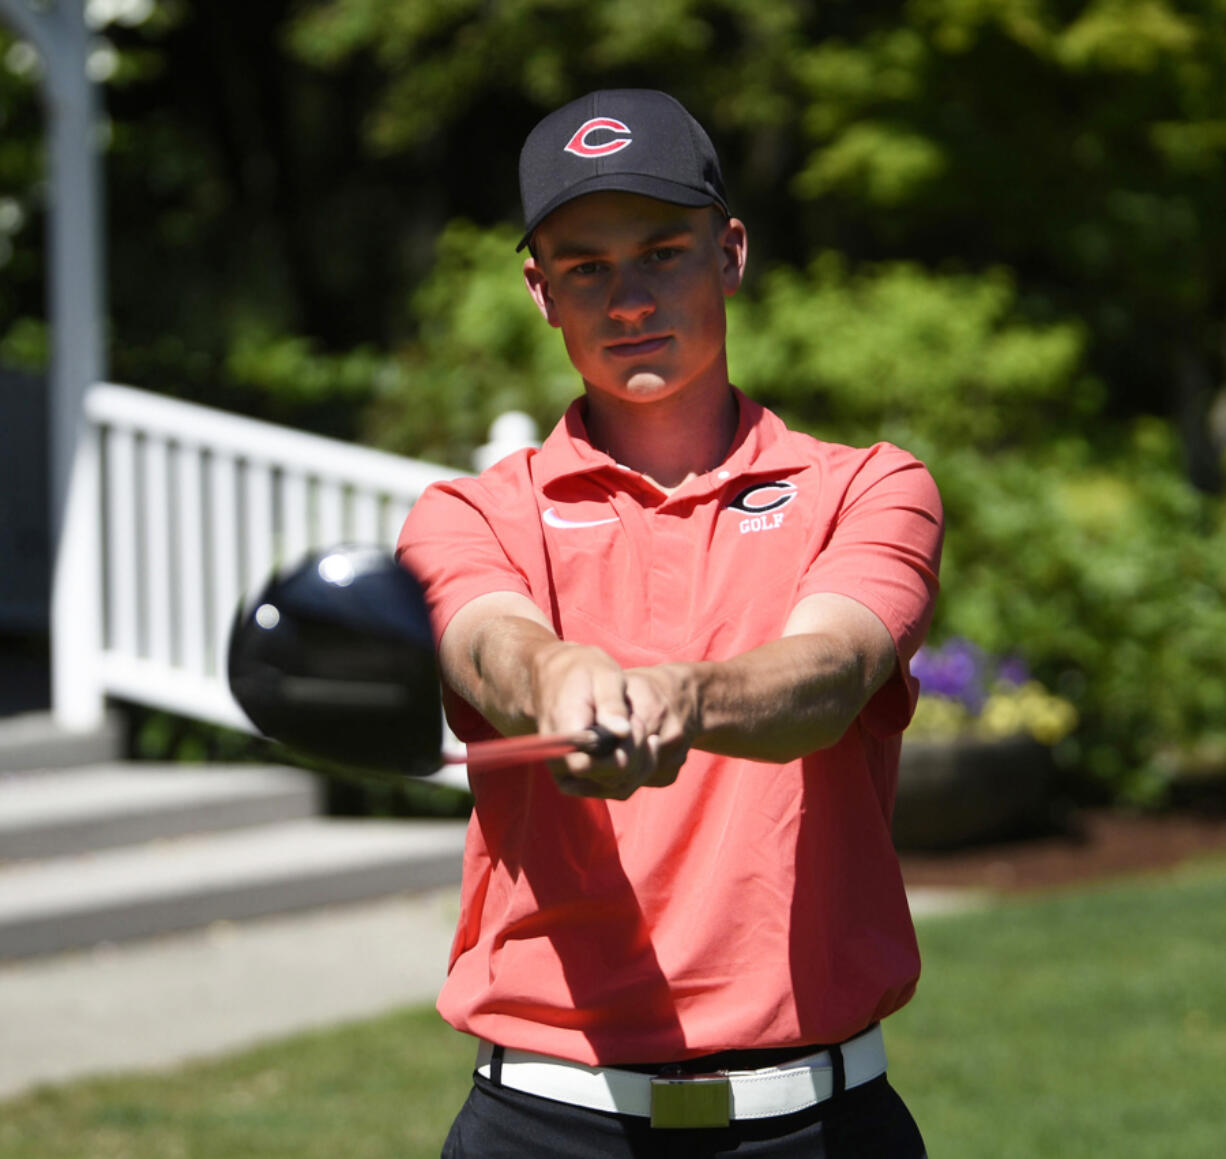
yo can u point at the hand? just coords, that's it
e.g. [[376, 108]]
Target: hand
[[575, 686], [664, 698]]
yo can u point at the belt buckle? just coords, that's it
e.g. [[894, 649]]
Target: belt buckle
[[692, 1100]]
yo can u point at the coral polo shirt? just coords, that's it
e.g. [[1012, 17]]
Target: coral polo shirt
[[748, 904]]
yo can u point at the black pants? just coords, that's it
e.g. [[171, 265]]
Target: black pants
[[866, 1122]]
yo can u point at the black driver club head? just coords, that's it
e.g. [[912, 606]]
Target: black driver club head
[[335, 658]]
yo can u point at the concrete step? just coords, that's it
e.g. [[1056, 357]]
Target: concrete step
[[55, 812], [189, 882], [32, 740]]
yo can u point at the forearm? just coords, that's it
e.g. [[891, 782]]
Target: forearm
[[493, 671], [501, 655], [792, 695], [777, 702]]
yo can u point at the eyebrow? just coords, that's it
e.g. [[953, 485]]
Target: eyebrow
[[570, 251]]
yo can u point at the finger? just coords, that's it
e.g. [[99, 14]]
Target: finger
[[661, 774], [640, 754], [601, 760], [614, 777]]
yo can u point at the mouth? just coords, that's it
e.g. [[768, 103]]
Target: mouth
[[637, 347]]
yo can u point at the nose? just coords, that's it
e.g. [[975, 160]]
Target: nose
[[630, 299]]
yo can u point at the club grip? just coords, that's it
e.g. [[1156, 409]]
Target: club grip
[[602, 742]]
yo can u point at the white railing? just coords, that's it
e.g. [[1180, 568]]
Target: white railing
[[176, 511]]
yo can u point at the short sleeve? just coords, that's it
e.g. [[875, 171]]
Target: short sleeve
[[454, 551], [452, 548], [884, 552]]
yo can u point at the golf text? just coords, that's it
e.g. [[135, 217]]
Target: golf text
[[766, 522]]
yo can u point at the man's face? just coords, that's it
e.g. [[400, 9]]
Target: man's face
[[637, 287]]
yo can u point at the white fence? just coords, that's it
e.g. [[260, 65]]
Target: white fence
[[176, 511]]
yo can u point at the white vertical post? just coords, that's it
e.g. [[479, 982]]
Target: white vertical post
[[121, 540], [259, 517], [331, 497], [295, 514], [189, 590], [223, 552], [76, 602], [511, 431], [156, 524], [366, 517], [395, 513]]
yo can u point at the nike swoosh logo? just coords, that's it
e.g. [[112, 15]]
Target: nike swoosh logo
[[553, 519]]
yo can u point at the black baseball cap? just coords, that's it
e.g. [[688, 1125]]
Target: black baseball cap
[[629, 140]]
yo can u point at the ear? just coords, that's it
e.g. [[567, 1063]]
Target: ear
[[733, 242], [538, 286]]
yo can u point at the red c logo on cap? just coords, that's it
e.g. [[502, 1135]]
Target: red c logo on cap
[[578, 143]]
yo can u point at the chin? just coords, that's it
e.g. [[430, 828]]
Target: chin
[[647, 385]]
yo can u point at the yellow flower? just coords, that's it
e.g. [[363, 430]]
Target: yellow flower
[[1010, 710]]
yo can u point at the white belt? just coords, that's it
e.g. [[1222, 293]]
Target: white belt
[[690, 1100]]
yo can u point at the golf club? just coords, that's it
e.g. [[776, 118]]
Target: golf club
[[335, 658]]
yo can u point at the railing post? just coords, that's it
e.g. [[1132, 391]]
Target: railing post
[[75, 308], [511, 431], [76, 595]]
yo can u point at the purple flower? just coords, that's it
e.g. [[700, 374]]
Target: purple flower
[[1013, 670], [958, 669]]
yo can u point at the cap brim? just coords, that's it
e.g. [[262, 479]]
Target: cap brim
[[657, 187]]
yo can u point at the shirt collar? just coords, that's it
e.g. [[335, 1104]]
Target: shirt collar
[[762, 444]]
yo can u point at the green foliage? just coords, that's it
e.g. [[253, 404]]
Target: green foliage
[[294, 368], [1106, 570], [894, 352], [482, 349], [885, 164], [296, 382], [26, 346], [439, 59], [21, 204], [1098, 185]]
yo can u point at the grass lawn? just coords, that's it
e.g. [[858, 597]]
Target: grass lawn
[[1085, 1024]]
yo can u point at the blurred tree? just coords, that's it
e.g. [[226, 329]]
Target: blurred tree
[[459, 83], [240, 207], [284, 168], [22, 283], [1082, 145], [482, 349]]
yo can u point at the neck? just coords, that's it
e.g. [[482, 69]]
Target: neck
[[670, 440]]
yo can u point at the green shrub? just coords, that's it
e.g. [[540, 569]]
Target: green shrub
[[482, 349], [896, 352]]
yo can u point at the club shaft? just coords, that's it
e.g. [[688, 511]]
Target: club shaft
[[521, 750]]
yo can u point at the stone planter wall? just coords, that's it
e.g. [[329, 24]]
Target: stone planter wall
[[965, 791]]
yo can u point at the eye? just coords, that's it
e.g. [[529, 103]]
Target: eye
[[664, 253], [586, 269]]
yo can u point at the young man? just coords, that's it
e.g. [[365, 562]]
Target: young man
[[737, 603]]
